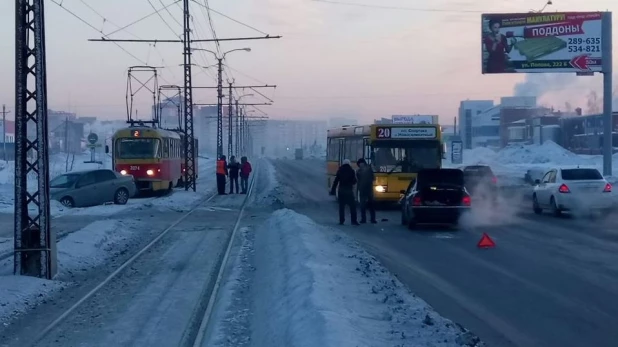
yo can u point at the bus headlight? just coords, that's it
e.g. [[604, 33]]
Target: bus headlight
[[123, 172], [380, 189], [149, 172]]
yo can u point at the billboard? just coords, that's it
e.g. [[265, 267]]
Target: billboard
[[542, 42], [415, 119]]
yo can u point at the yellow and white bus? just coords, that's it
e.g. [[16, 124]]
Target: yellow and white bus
[[396, 152]]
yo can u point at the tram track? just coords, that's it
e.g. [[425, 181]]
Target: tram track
[[60, 235], [195, 330]]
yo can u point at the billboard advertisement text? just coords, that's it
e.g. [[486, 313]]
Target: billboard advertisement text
[[542, 42]]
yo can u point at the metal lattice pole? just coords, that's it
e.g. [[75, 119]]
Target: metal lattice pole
[[237, 130], [35, 242], [189, 135], [230, 149], [220, 109]]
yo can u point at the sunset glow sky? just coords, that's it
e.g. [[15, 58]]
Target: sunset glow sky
[[333, 60]]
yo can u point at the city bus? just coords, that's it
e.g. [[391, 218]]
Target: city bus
[[396, 152]]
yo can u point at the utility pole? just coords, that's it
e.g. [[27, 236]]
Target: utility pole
[[220, 108], [188, 105], [238, 130], [230, 149], [4, 113], [66, 143], [34, 241]]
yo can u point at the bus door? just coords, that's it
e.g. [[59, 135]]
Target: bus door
[[367, 151], [341, 151]]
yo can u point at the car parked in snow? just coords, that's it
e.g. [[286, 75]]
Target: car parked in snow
[[572, 190], [92, 187], [435, 196]]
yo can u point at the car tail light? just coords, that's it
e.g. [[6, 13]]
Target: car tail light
[[466, 201], [416, 201], [608, 188], [494, 180], [564, 189]]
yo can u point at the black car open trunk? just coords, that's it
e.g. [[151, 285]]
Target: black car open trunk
[[440, 187]]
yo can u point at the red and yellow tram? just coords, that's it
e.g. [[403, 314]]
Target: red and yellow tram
[[155, 157]]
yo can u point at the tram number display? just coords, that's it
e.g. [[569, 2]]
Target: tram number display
[[383, 133], [134, 168]]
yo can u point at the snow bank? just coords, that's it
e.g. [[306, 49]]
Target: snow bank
[[303, 284], [267, 190], [548, 152], [93, 245], [20, 293]]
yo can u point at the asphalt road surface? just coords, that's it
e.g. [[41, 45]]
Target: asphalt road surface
[[549, 281]]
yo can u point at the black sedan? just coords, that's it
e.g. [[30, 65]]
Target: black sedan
[[437, 196]]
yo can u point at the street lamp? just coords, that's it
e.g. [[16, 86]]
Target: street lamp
[[220, 93]]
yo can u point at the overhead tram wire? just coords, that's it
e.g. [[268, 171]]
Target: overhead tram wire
[[170, 14], [163, 19], [400, 8], [176, 2], [97, 30], [230, 18], [154, 46], [104, 35]]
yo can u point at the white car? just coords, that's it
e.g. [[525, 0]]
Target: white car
[[572, 190]]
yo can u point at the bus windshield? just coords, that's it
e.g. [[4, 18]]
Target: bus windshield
[[141, 148], [406, 156]]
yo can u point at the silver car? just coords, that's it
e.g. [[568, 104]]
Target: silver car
[[92, 187]]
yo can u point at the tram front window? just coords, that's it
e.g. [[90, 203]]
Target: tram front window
[[131, 148], [406, 156]]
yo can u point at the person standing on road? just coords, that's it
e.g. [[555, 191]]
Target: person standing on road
[[345, 180], [221, 175], [245, 170], [364, 176], [234, 168]]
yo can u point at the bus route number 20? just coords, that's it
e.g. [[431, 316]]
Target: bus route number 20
[[384, 133]]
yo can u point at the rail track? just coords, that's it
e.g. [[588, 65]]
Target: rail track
[[195, 332]]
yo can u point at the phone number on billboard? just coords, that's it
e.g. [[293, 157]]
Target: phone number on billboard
[[587, 45]]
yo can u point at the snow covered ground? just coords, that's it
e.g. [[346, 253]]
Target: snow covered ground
[[297, 283], [512, 162], [91, 246], [58, 166]]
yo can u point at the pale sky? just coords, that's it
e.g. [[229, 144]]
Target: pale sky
[[333, 60]]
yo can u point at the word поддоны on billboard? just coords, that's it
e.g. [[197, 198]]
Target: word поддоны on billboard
[[542, 42], [413, 133]]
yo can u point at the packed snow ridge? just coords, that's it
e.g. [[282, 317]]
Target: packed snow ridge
[[297, 283]]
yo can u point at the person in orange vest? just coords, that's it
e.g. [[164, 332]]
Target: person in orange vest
[[221, 175]]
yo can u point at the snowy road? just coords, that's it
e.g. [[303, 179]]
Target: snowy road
[[549, 282]]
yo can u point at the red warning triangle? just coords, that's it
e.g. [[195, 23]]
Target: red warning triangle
[[486, 242]]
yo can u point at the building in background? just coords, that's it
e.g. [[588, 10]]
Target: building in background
[[468, 111], [283, 136]]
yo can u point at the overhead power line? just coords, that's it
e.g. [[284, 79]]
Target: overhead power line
[[401, 8], [230, 18]]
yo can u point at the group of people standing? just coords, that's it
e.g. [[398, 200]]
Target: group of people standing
[[345, 180], [233, 170]]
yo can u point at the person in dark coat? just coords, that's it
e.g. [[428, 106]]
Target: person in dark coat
[[221, 174], [245, 171], [364, 176], [234, 168], [345, 180]]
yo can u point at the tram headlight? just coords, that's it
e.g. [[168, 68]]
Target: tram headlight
[[123, 172], [149, 172], [380, 189]]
